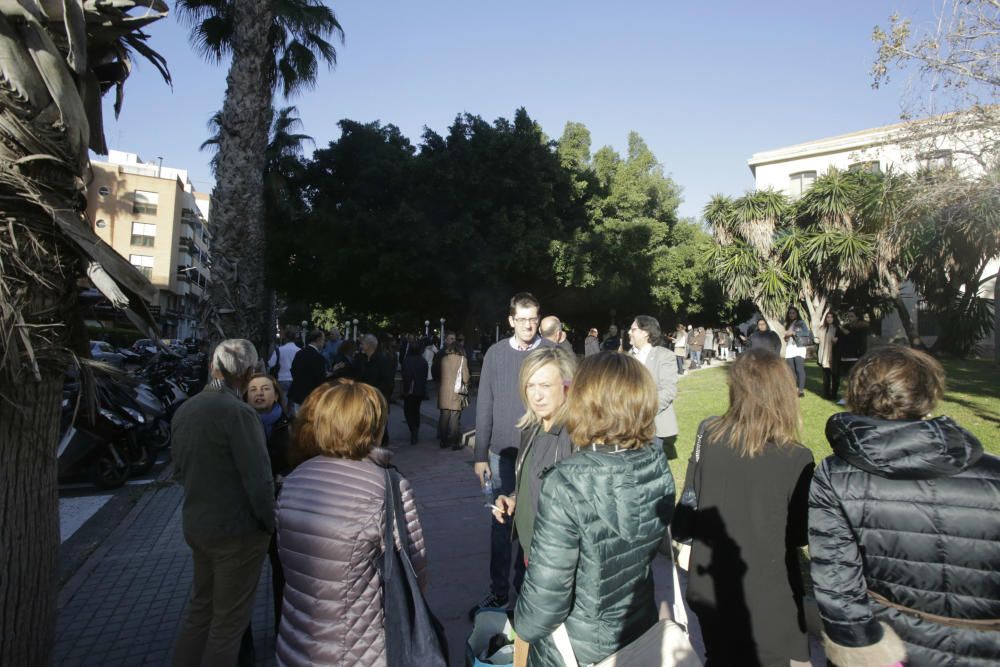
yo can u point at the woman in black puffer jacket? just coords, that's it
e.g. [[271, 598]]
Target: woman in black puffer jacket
[[903, 528]]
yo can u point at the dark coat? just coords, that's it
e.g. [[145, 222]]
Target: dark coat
[[744, 579], [308, 372], [911, 511], [379, 372], [278, 446], [767, 340], [546, 448], [601, 517], [414, 376]]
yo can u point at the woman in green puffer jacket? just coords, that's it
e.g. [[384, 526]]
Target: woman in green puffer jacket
[[602, 514]]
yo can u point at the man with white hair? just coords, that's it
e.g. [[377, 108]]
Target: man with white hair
[[220, 458]]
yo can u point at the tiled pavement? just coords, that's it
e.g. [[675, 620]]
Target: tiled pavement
[[125, 604]]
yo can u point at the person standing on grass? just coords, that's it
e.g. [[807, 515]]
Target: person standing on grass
[[592, 344], [752, 482], [660, 362], [826, 355], [498, 408], [764, 338], [797, 339], [221, 460]]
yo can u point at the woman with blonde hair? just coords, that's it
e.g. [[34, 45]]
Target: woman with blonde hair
[[545, 377], [331, 522], [903, 528], [751, 479], [601, 516]]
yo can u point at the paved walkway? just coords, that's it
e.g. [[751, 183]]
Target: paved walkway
[[125, 604]]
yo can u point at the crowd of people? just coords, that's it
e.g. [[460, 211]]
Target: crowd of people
[[572, 451]]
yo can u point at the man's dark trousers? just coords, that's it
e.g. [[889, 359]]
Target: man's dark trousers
[[502, 467]]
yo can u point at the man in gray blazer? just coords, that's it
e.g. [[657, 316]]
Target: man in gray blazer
[[645, 336]]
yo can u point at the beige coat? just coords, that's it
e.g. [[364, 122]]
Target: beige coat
[[450, 364]]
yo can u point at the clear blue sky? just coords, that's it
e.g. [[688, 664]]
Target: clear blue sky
[[706, 84]]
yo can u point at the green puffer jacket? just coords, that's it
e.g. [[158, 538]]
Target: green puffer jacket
[[601, 517]]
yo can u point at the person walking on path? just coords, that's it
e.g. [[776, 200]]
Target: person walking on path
[[331, 525], [592, 343], [281, 359], [752, 480], [903, 529], [498, 409], [797, 339], [414, 375], [645, 335], [451, 403], [826, 355], [220, 458], [602, 515]]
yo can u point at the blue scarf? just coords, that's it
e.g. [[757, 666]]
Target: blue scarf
[[269, 419]]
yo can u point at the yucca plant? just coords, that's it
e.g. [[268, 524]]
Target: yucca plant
[[57, 59]]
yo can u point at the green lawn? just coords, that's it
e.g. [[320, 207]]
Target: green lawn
[[972, 400]]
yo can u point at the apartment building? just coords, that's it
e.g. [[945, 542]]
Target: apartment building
[[153, 216], [792, 169]]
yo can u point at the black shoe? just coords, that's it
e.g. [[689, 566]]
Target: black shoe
[[491, 601], [801, 393]]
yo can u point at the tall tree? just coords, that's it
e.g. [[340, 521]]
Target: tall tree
[[56, 62], [272, 43], [952, 102]]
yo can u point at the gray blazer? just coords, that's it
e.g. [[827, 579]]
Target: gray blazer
[[662, 363]]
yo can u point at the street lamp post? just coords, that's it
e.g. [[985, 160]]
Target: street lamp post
[[305, 323], [355, 322], [427, 328], [442, 333]]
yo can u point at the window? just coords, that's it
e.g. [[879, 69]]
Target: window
[[142, 262], [145, 202], [799, 182], [143, 234], [935, 160], [871, 167]]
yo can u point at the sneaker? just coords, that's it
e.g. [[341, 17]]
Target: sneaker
[[491, 601]]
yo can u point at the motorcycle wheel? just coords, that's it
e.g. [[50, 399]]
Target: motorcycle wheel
[[143, 457], [159, 437], [104, 472]]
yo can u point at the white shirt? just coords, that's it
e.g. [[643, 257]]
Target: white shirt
[[641, 354], [792, 350]]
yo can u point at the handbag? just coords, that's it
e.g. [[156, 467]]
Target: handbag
[[274, 370], [413, 635], [461, 388], [666, 644], [683, 520]]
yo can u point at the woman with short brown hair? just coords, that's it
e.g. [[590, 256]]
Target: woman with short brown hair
[[601, 516], [903, 528], [331, 516]]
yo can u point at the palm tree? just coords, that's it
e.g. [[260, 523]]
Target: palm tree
[[271, 42], [56, 62]]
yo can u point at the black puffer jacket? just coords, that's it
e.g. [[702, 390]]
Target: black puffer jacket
[[911, 511]]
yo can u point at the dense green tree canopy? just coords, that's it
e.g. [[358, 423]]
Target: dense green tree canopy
[[455, 225]]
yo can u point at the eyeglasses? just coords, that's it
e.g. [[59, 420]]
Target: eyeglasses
[[525, 321]]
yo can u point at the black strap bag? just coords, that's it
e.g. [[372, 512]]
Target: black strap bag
[[682, 524], [413, 636]]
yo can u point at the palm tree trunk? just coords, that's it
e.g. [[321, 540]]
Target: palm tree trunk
[[237, 292], [29, 519]]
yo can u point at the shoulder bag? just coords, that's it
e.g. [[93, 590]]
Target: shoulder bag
[[413, 635], [666, 644], [682, 523]]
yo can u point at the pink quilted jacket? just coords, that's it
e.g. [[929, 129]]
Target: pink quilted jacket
[[330, 527]]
